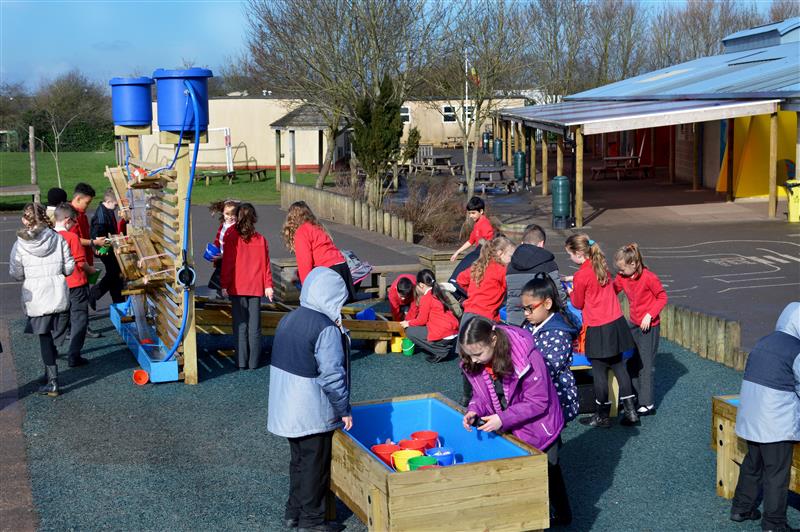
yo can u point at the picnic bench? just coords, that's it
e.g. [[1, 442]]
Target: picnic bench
[[623, 165], [229, 176], [22, 190], [485, 179]]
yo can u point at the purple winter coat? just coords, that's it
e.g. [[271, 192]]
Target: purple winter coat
[[534, 412]]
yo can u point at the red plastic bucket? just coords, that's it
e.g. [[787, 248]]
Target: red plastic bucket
[[429, 467], [415, 445], [140, 377], [430, 437], [384, 451]]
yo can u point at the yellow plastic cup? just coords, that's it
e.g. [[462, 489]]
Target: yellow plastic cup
[[400, 459], [397, 345]]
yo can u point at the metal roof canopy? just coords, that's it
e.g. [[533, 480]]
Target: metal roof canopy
[[305, 117], [607, 117]]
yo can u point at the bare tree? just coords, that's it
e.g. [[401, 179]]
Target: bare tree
[[479, 65], [65, 100], [558, 30], [783, 9], [615, 39]]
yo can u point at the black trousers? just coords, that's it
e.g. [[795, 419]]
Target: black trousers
[[600, 367], [246, 312], [75, 320], [435, 351], [766, 466], [642, 366], [309, 478], [559, 500], [111, 281]]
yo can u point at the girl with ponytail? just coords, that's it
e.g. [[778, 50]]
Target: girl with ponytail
[[434, 328], [607, 332]]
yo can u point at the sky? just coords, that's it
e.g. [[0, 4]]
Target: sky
[[40, 39]]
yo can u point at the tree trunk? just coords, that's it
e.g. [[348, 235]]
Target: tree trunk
[[55, 157], [330, 137]]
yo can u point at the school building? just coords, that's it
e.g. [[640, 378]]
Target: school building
[[727, 122], [250, 131]]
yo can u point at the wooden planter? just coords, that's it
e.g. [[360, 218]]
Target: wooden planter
[[731, 449], [502, 484]]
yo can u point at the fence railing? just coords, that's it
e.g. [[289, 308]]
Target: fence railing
[[346, 210]]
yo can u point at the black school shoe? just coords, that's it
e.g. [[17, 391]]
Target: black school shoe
[[646, 410], [752, 515]]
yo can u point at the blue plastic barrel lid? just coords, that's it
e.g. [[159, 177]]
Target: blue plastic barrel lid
[[144, 80], [190, 73]]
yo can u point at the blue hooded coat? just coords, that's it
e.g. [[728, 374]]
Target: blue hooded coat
[[309, 385], [769, 408]]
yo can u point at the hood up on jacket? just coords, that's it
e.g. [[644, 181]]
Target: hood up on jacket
[[39, 241], [324, 291], [558, 323], [528, 257], [789, 320]]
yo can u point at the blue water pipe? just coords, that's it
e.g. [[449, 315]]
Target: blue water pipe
[[186, 213], [180, 136]]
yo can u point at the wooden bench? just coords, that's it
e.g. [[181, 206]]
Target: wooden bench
[[257, 174], [207, 176], [22, 190]]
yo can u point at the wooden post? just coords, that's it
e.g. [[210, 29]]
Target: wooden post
[[560, 155], [579, 176], [523, 146], [277, 159], [533, 157], [182, 165], [772, 206], [32, 154], [729, 176], [544, 163], [379, 221], [387, 223], [409, 231], [671, 175], [292, 158], [509, 154], [696, 151]]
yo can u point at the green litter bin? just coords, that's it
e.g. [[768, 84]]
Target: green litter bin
[[408, 347], [519, 165]]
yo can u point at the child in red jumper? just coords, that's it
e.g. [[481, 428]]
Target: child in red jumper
[[435, 328], [647, 298], [227, 210], [246, 276], [401, 295], [607, 333], [485, 284], [482, 233], [313, 246], [76, 318]]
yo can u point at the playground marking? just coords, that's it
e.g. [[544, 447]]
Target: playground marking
[[759, 286], [776, 259], [781, 254], [753, 279]]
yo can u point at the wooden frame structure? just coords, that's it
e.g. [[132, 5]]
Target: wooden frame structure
[[731, 449], [502, 494]]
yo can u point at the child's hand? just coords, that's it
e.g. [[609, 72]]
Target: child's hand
[[268, 293], [454, 257], [224, 293], [404, 324], [645, 325], [567, 278], [88, 268], [492, 424], [468, 420], [348, 422]]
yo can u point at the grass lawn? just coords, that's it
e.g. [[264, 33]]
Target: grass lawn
[[89, 166]]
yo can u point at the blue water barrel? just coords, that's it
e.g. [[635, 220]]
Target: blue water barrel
[[131, 101], [172, 97], [560, 189]]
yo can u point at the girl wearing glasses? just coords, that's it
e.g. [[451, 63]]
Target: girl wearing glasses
[[553, 335]]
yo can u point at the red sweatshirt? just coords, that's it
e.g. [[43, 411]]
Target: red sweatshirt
[[313, 247], [78, 276], [485, 298], [645, 294], [246, 269], [83, 231], [598, 303], [482, 229], [440, 323], [219, 239], [395, 301]]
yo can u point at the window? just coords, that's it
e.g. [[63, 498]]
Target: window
[[470, 116], [405, 115], [448, 113]]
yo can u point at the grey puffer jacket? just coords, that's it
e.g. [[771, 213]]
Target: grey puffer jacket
[[41, 259], [309, 385]]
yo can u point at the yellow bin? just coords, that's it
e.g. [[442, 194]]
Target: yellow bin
[[400, 459], [793, 197]]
